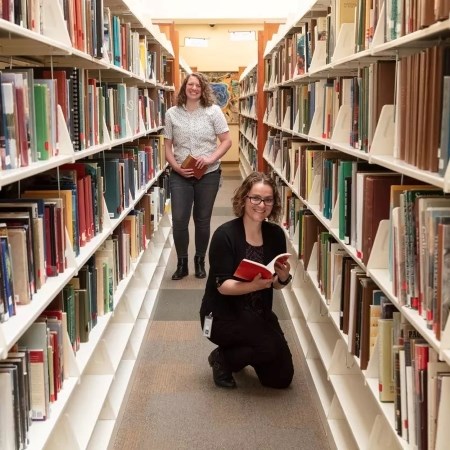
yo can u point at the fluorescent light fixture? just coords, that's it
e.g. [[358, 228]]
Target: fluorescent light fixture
[[195, 42], [242, 35]]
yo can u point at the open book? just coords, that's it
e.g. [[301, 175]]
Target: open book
[[190, 163], [247, 269]]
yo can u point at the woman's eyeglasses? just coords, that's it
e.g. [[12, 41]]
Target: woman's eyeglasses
[[257, 200]]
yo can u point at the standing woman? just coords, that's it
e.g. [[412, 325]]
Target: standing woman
[[237, 315], [195, 126]]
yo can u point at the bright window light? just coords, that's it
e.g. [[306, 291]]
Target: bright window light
[[242, 35], [195, 42]]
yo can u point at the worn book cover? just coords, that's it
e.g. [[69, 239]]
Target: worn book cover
[[190, 163], [247, 269]]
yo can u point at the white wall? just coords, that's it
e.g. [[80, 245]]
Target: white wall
[[241, 10], [221, 53]]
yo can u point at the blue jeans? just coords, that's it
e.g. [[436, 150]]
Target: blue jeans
[[186, 193]]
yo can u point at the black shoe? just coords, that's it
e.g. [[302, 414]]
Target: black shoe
[[182, 269], [222, 376], [199, 264]]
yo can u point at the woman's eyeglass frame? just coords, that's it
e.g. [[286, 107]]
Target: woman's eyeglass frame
[[256, 200]]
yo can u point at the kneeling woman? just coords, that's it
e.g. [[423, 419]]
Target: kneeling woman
[[244, 326]]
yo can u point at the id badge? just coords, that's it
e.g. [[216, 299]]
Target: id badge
[[207, 326]]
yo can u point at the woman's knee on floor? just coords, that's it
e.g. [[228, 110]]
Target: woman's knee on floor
[[279, 373], [280, 380]]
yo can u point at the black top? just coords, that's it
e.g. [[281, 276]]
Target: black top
[[227, 248]]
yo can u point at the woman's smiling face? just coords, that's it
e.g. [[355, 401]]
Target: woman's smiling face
[[259, 212], [193, 88]]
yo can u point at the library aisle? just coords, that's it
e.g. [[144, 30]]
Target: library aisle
[[173, 402]]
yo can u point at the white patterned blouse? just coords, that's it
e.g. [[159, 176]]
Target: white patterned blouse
[[194, 132]]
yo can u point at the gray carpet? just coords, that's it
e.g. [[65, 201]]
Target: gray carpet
[[173, 403]]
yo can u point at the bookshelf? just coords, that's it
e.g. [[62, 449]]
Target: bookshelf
[[299, 115], [97, 375], [248, 122], [252, 130]]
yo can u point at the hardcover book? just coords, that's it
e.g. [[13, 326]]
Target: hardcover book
[[247, 269], [190, 163]]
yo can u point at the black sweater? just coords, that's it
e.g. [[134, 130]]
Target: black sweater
[[227, 249]]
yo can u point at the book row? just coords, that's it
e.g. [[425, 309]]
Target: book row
[[352, 198], [386, 346], [347, 110], [349, 27], [93, 112], [59, 212], [93, 29], [33, 374]]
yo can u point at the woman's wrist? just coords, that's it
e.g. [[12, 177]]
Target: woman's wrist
[[286, 281]]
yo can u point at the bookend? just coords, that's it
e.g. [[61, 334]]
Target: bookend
[[126, 311], [272, 117], [266, 151], [447, 179], [335, 411], [147, 308], [277, 162], [445, 343], [341, 131], [53, 22], [312, 353], [295, 239], [65, 145], [335, 300], [314, 193], [64, 436], [3, 346], [107, 223], [319, 57], [443, 415], [380, 435], [142, 128], [69, 253], [342, 362], [100, 363], [373, 364], [379, 256], [312, 263], [129, 132], [334, 222], [378, 36], [345, 45], [286, 125], [302, 287], [106, 135], [108, 412], [383, 138], [318, 313], [315, 130], [70, 362]]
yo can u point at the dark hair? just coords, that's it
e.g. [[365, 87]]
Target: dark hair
[[206, 99], [242, 191]]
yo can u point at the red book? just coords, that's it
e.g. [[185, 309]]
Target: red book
[[190, 163], [247, 269], [420, 391]]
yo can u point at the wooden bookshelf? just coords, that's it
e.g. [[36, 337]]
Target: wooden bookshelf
[[355, 416]]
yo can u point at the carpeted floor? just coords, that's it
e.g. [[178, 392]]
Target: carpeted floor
[[173, 402]]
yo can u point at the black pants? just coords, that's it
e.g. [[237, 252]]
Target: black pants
[[255, 340]]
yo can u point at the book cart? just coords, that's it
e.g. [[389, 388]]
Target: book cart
[[98, 374], [354, 414]]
